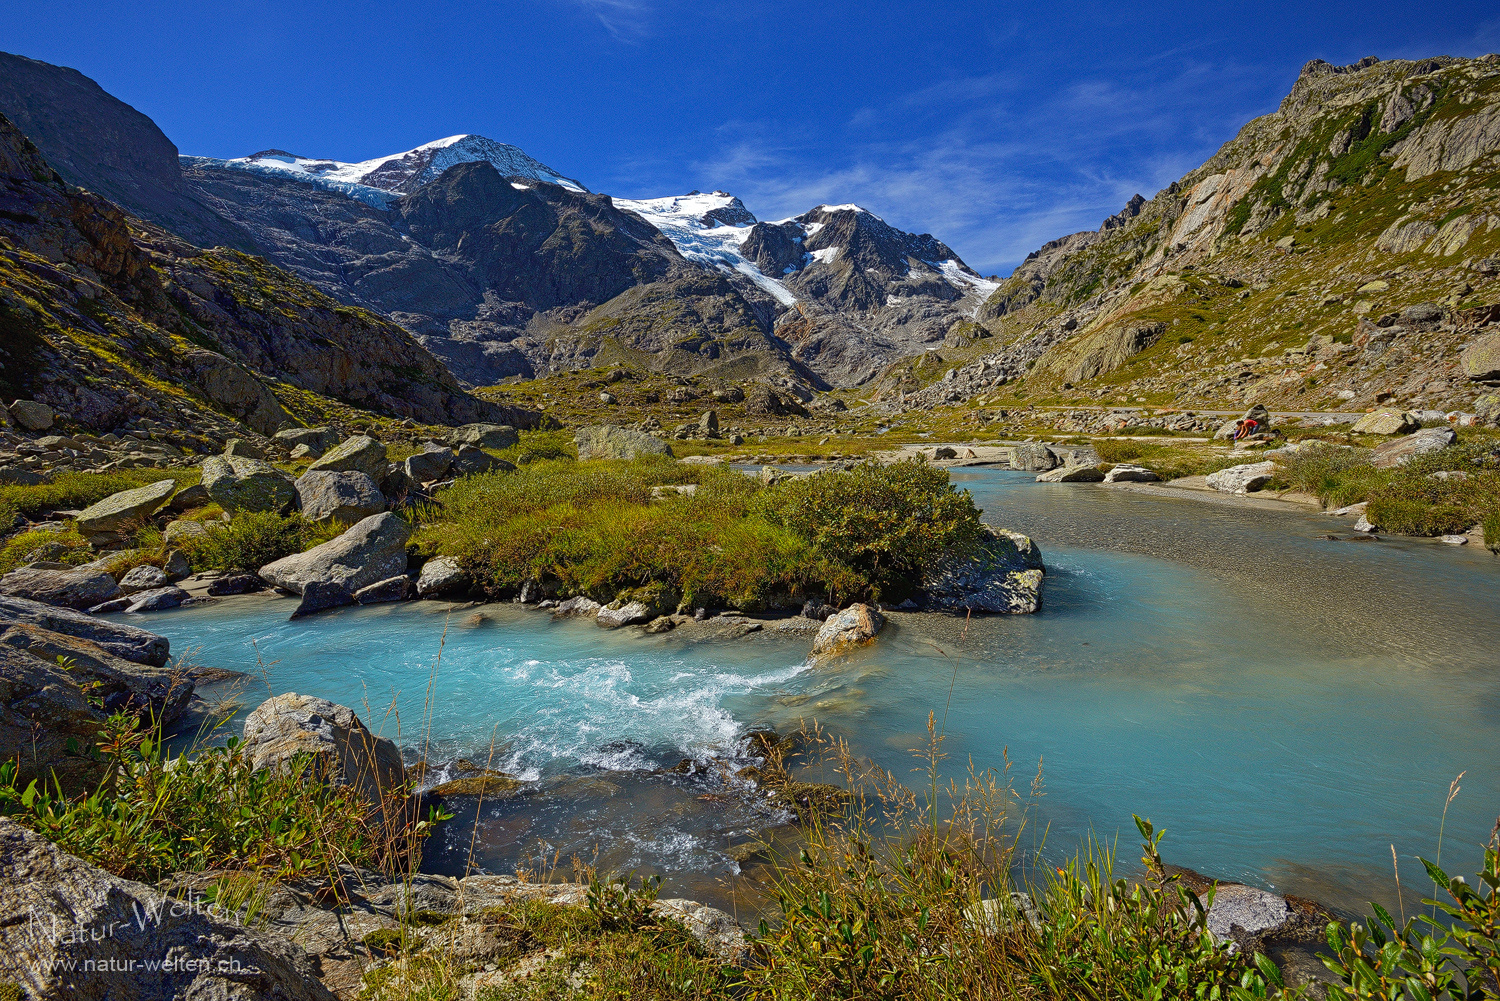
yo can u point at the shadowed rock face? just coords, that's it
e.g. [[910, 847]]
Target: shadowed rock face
[[99, 142]]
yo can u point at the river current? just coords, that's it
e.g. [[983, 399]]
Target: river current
[[1288, 708]]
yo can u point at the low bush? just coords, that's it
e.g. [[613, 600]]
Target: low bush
[[246, 543]]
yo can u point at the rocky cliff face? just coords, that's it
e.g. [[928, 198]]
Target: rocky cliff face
[[103, 144], [108, 319], [1373, 188]]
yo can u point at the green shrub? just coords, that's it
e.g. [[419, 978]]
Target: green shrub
[[1110, 450], [60, 547], [876, 524], [247, 543]]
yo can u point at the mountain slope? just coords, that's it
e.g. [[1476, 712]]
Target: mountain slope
[[109, 319], [1286, 268], [103, 144]]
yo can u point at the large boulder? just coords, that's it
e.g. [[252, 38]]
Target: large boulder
[[143, 578], [1003, 575], [606, 441], [1480, 360], [233, 388], [430, 464], [1258, 413], [855, 626], [1387, 422], [1032, 457], [126, 642], [56, 691], [361, 454], [629, 614], [316, 440], [31, 415], [1402, 450], [496, 436], [157, 599], [1243, 478], [371, 550], [472, 459], [241, 484], [345, 497], [343, 752], [69, 929], [125, 510], [77, 588], [441, 576]]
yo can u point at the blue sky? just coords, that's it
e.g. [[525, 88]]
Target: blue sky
[[994, 126]]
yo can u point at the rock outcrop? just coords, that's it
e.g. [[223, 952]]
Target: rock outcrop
[[78, 587], [124, 641], [71, 930]]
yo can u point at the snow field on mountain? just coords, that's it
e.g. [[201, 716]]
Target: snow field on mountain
[[680, 219]]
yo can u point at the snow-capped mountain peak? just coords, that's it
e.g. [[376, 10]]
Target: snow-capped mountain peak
[[378, 179]]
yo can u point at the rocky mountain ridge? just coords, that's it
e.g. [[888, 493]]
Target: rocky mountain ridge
[[114, 321], [1373, 189]]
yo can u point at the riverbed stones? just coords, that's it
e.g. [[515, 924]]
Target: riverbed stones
[[361, 454], [1402, 450], [125, 510], [371, 550], [607, 441], [241, 484], [123, 641], [629, 614], [441, 575], [855, 626], [157, 599], [142, 578], [1072, 474], [73, 588], [1387, 422], [1243, 478], [110, 926], [1002, 576], [430, 464], [1126, 473], [343, 752], [345, 496], [496, 436]]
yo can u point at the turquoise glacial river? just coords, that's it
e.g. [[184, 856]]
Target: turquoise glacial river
[[1287, 708]]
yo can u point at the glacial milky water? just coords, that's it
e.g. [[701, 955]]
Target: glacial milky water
[[1286, 707]]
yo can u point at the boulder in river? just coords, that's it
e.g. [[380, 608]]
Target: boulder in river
[[157, 599], [1243, 478], [241, 484], [69, 929], [321, 595], [344, 752], [79, 587], [1402, 450], [1386, 422], [126, 509], [1072, 474], [1126, 473], [855, 626], [1003, 575], [1032, 457], [629, 614], [126, 642], [371, 550], [577, 606], [399, 588], [441, 576], [606, 441], [360, 453], [345, 497]]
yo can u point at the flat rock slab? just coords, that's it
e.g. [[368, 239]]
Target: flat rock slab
[[1387, 422], [606, 441], [1243, 478], [1403, 450], [126, 509], [78, 588], [128, 642]]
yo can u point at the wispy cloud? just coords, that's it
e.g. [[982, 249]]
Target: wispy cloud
[[626, 20], [1003, 170]]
